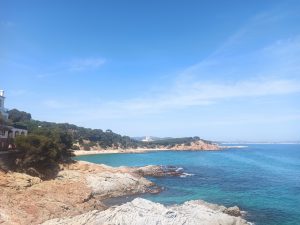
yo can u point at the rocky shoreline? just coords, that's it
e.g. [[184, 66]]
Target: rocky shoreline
[[76, 196]]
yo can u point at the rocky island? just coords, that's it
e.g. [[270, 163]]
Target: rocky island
[[77, 193]]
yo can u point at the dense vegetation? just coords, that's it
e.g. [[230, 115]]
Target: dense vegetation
[[175, 141], [43, 149], [84, 136], [18, 116], [40, 155], [87, 137], [48, 144]]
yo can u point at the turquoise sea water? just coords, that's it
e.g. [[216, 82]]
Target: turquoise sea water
[[263, 180]]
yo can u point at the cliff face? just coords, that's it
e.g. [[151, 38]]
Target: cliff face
[[28, 200]]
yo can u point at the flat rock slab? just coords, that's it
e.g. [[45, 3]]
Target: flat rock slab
[[144, 212]]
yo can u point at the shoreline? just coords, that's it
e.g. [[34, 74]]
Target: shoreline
[[113, 151], [78, 193], [144, 150]]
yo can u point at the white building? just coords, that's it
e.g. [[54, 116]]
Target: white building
[[3, 110], [147, 139], [7, 133]]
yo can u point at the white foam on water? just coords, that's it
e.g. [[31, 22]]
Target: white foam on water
[[179, 169], [186, 175]]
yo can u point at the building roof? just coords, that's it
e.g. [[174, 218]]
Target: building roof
[[6, 128]]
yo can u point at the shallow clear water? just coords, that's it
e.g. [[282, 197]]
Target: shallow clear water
[[263, 180]]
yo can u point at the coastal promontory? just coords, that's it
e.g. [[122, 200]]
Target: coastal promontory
[[77, 193]]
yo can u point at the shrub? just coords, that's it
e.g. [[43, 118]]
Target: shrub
[[40, 155], [75, 147]]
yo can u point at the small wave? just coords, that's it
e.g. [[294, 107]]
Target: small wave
[[186, 175], [179, 169]]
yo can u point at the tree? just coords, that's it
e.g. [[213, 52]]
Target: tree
[[18, 116], [40, 155], [65, 143]]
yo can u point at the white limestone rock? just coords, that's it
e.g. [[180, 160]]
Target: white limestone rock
[[115, 184], [144, 212]]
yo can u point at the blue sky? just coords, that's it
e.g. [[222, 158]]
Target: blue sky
[[222, 70]]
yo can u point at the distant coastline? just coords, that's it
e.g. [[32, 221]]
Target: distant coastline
[[113, 151], [143, 150], [262, 143]]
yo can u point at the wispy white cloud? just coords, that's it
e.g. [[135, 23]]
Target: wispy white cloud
[[86, 63], [277, 75], [75, 65], [227, 74], [7, 24], [195, 94], [270, 70], [59, 104], [255, 119]]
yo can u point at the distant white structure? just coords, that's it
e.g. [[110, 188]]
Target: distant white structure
[[147, 139], [7, 133], [3, 111]]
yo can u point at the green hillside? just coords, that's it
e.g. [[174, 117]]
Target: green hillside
[[87, 137]]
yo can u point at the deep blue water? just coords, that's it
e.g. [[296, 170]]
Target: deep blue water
[[263, 180]]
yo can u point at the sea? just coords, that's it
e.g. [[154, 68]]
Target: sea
[[262, 179]]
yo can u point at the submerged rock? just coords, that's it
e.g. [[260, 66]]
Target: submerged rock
[[144, 212]]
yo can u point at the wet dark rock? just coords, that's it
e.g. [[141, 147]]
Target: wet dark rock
[[159, 171], [154, 190], [233, 211]]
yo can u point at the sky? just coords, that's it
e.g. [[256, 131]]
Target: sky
[[221, 70]]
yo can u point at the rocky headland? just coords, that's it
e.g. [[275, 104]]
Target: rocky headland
[[76, 196], [197, 145]]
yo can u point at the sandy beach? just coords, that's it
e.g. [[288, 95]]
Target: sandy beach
[[143, 150], [115, 151]]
